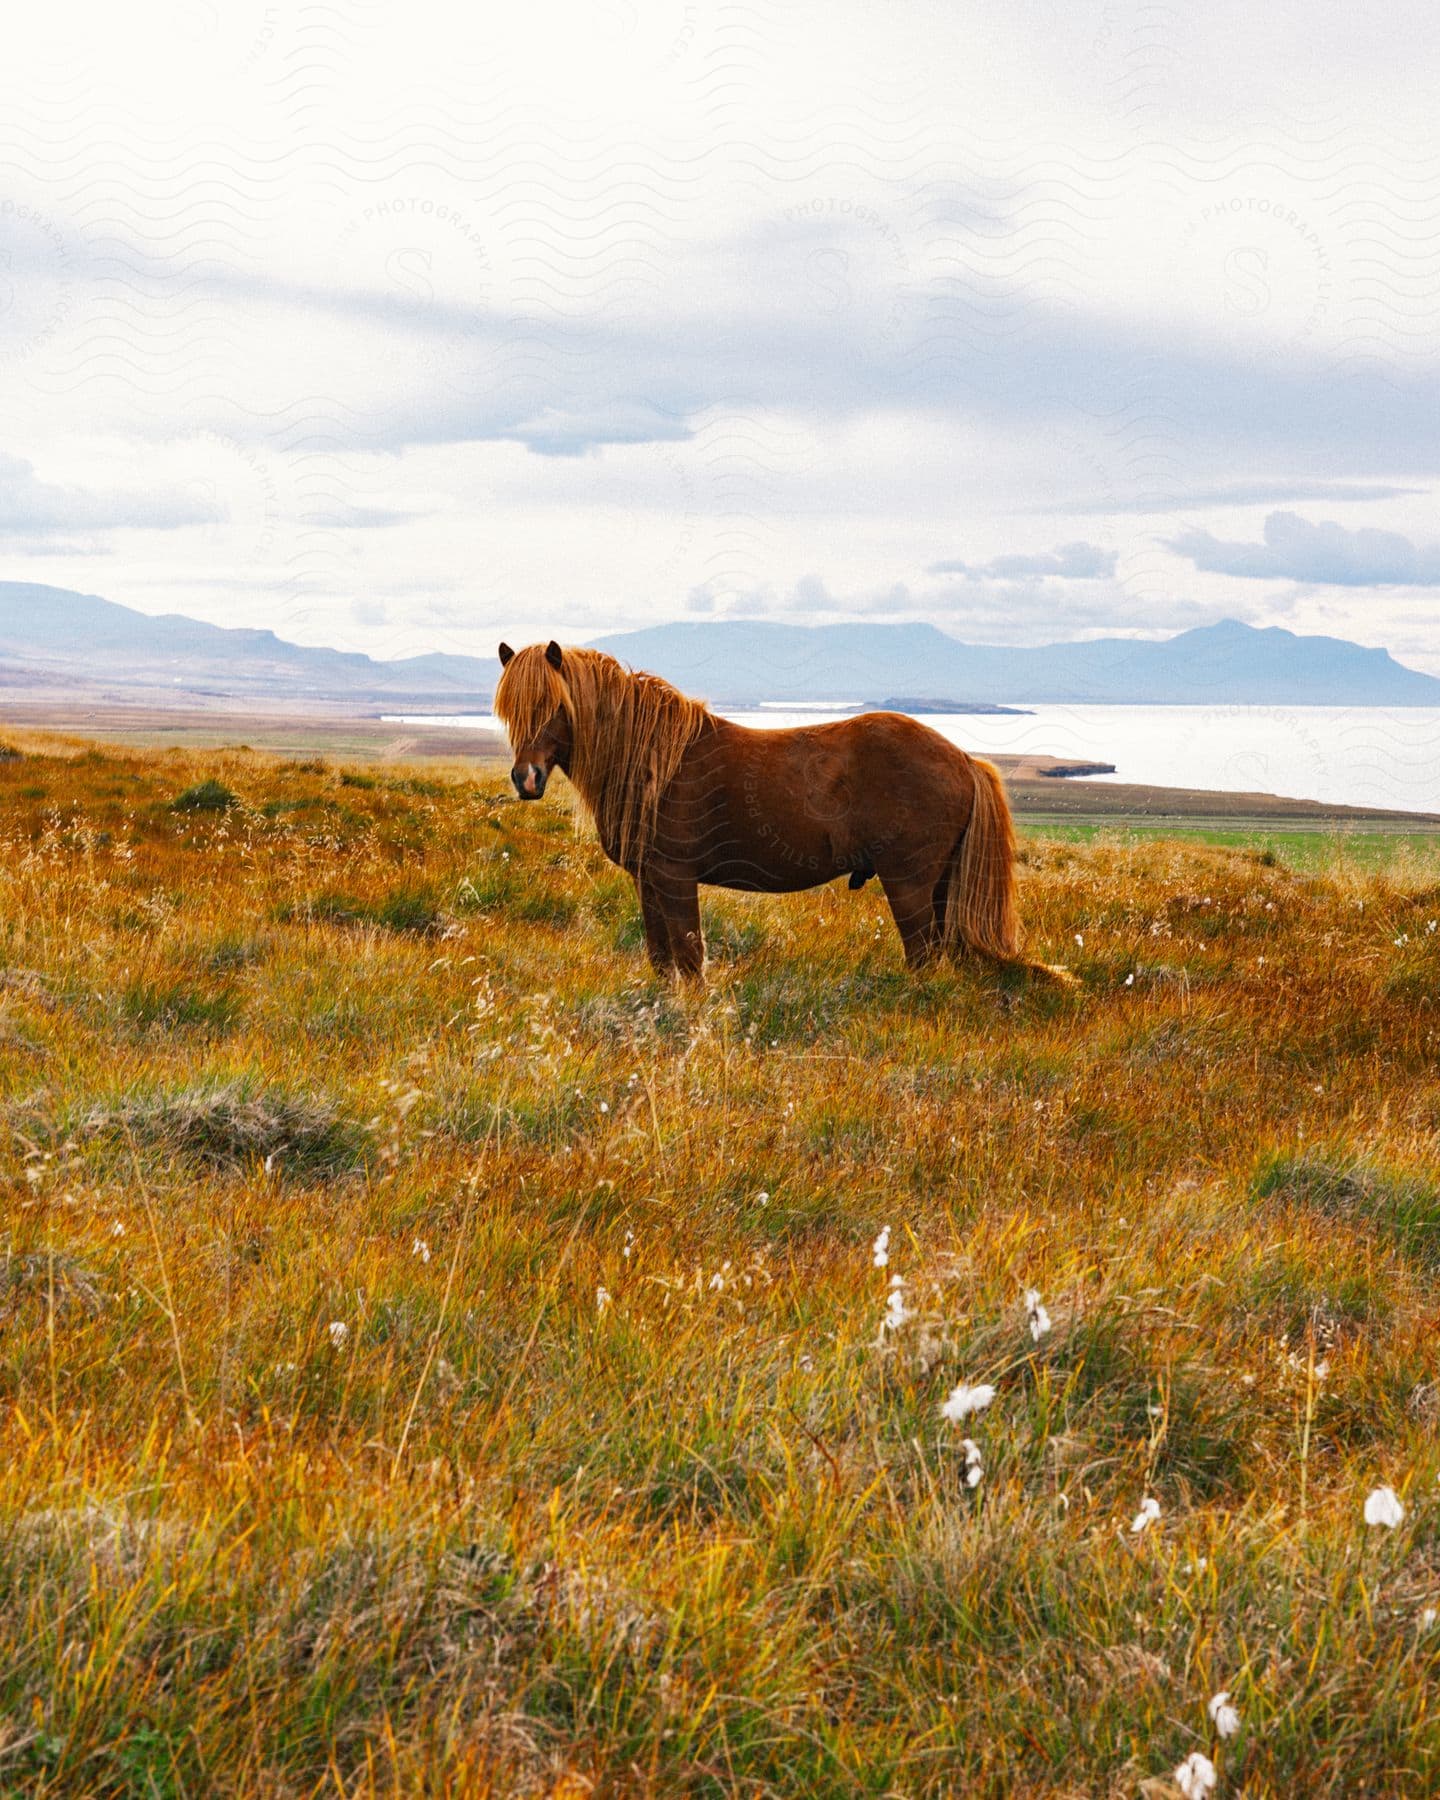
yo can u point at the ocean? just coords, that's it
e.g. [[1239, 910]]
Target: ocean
[[1353, 756]]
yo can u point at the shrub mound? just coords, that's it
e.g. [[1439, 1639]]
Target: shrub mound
[[205, 796], [234, 1123]]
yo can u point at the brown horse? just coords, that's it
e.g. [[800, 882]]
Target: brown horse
[[681, 797]]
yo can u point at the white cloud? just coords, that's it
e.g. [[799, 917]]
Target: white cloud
[[32, 508], [1067, 562], [1236, 493], [1297, 550], [346, 516]]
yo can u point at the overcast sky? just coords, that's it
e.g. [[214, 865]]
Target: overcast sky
[[399, 327]]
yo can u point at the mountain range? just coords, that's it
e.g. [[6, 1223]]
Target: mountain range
[[79, 640], [1224, 664], [55, 640]]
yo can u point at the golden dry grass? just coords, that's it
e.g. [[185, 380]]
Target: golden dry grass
[[436, 1360]]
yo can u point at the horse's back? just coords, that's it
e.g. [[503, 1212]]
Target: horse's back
[[873, 753], [782, 808], [862, 734]]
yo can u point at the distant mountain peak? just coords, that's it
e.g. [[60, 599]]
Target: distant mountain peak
[[1233, 628]]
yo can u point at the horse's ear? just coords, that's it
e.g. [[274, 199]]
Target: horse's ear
[[553, 655], [505, 654]]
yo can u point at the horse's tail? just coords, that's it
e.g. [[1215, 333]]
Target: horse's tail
[[980, 895]]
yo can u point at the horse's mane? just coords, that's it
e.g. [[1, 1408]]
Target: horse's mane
[[629, 732]]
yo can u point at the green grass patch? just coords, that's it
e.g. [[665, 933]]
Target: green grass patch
[[208, 796], [172, 1006], [234, 1124], [1317, 850], [1402, 1209], [413, 909], [500, 889]]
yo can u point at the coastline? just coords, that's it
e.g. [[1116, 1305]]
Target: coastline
[[1039, 792]]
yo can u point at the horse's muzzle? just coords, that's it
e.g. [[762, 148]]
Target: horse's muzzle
[[529, 779]]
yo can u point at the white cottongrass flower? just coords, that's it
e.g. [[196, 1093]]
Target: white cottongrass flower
[[1149, 1512], [117, 1229], [1080, 939], [763, 1197], [1383, 1506], [974, 1467], [339, 1331], [602, 1299], [1224, 1716], [421, 1249], [1036, 1313], [1428, 1618], [880, 1249], [896, 1311], [1195, 1777], [965, 1399]]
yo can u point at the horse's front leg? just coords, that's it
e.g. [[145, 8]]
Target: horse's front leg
[[657, 928], [670, 905], [682, 905]]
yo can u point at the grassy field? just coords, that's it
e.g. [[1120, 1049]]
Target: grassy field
[[1412, 858], [437, 1360]]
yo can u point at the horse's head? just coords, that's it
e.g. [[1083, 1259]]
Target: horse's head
[[531, 701]]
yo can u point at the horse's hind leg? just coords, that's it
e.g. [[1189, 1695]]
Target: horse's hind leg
[[912, 905]]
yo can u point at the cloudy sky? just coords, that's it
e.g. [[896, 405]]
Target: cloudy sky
[[400, 327]]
